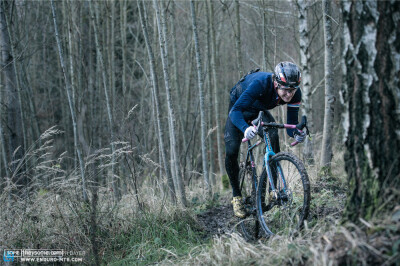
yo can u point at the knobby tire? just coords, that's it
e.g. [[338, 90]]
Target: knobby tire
[[287, 213], [249, 226]]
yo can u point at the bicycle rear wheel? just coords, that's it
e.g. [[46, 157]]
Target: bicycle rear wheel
[[284, 212], [249, 226]]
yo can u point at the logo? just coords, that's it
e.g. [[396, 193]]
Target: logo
[[8, 255]]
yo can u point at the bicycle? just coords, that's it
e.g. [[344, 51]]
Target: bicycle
[[284, 177]]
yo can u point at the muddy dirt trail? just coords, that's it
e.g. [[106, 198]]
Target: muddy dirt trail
[[218, 220]]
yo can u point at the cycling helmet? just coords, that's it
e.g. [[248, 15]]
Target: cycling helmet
[[287, 74]]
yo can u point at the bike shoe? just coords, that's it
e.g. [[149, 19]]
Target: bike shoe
[[271, 197], [238, 207]]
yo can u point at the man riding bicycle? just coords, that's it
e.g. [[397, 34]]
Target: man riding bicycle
[[255, 92]]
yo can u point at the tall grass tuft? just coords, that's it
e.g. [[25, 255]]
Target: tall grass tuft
[[143, 227]]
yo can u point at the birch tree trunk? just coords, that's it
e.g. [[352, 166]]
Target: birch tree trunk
[[71, 106], [154, 87], [201, 93], [114, 183], [215, 89], [372, 98], [305, 63], [172, 139], [326, 153]]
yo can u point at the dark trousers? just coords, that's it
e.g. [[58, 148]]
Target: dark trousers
[[233, 138]]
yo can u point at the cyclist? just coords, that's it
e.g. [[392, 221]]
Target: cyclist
[[259, 91]]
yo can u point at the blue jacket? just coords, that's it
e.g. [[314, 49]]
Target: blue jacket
[[256, 93]]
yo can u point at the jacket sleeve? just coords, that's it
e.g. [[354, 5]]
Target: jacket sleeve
[[245, 101], [293, 112]]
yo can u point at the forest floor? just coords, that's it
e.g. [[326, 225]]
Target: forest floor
[[219, 220], [326, 240], [146, 228]]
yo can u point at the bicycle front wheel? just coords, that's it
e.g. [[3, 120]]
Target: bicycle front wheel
[[284, 211], [249, 226]]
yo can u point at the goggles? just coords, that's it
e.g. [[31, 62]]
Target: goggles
[[287, 89]]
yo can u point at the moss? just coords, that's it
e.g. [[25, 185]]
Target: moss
[[350, 209], [364, 193], [325, 173], [370, 188]]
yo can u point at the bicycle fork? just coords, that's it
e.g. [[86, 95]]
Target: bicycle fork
[[267, 157]]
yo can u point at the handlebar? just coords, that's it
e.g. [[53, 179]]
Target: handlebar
[[300, 126]]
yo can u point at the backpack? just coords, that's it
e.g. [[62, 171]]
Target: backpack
[[237, 90]]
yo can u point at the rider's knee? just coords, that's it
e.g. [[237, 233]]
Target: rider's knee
[[230, 156]]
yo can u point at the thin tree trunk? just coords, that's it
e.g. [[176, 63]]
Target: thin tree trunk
[[73, 51], [154, 81], [215, 90], [32, 110], [178, 92], [172, 138], [17, 83], [302, 6], [3, 142], [326, 153], [264, 16], [237, 39], [171, 116], [123, 23], [203, 124], [14, 123], [125, 97], [210, 95], [114, 169], [114, 183], [71, 106], [189, 89]]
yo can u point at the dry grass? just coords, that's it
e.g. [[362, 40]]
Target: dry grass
[[324, 241], [369, 244], [145, 228], [49, 213]]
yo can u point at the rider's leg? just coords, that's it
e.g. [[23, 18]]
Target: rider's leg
[[232, 138]]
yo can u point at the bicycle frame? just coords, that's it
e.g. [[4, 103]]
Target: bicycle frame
[[267, 157], [250, 159]]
